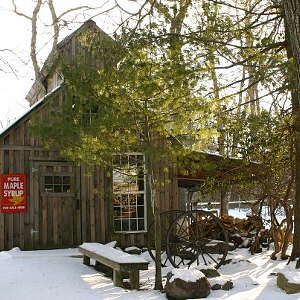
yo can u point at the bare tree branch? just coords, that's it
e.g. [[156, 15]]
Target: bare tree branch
[[15, 10], [34, 38], [55, 23]]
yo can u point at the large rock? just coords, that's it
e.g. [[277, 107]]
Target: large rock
[[288, 287], [187, 284]]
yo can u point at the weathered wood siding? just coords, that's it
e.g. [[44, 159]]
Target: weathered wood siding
[[64, 220]]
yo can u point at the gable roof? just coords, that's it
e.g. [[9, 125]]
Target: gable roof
[[45, 72], [52, 57]]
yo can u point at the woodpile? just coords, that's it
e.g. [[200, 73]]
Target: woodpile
[[246, 233]]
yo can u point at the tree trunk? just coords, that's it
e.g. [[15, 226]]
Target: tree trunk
[[224, 202], [157, 228], [292, 23]]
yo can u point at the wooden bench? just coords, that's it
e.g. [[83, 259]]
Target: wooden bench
[[119, 261]]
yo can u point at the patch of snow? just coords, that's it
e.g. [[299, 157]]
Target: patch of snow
[[203, 266], [111, 244], [218, 280], [4, 255], [191, 275], [292, 276], [132, 248], [145, 255], [60, 275], [16, 249]]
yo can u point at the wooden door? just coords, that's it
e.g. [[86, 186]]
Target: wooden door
[[58, 205]]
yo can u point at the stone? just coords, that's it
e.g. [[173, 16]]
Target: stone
[[221, 284], [180, 289], [216, 286], [227, 286], [209, 273], [288, 287], [133, 250]]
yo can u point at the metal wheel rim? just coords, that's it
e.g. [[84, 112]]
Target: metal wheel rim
[[194, 241]]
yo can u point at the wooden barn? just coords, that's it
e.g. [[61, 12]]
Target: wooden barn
[[51, 203], [48, 202]]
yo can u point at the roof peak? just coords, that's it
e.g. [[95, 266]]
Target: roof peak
[[37, 86]]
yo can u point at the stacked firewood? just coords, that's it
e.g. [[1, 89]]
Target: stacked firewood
[[245, 233]]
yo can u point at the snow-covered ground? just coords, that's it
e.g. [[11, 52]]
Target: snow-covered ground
[[61, 275]]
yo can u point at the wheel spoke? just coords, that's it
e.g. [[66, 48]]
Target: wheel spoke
[[208, 254], [204, 259]]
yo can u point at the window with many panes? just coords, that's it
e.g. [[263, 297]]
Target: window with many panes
[[129, 205], [57, 184]]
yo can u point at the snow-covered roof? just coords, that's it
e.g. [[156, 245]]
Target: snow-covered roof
[[27, 114]]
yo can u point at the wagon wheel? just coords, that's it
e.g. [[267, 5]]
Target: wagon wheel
[[197, 236], [166, 219]]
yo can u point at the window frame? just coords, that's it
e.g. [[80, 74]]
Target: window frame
[[58, 174], [128, 194]]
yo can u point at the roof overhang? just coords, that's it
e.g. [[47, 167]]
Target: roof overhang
[[198, 167]]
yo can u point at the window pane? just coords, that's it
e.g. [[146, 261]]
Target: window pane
[[66, 180], [133, 225], [120, 200], [132, 212], [126, 212], [123, 162], [132, 186], [49, 168], [57, 179], [132, 199], [125, 225], [117, 212], [66, 188], [57, 189], [140, 160], [141, 185], [117, 200], [132, 160], [48, 188], [48, 179], [141, 211], [140, 199], [141, 224], [124, 200]]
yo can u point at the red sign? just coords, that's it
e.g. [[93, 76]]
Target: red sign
[[13, 193]]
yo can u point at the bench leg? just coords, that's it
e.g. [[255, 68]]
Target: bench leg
[[86, 260], [118, 278], [134, 279]]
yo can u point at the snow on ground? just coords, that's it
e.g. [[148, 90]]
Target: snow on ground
[[61, 275]]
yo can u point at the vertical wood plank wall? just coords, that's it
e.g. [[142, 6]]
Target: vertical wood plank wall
[[20, 151]]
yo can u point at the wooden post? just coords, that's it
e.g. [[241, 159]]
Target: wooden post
[[86, 260], [134, 277], [118, 278]]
